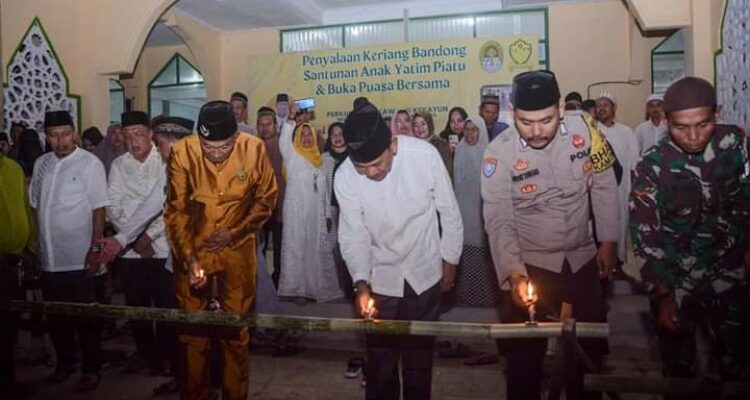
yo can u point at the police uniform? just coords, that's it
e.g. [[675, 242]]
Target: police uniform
[[537, 208]]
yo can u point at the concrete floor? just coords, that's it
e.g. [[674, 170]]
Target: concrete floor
[[317, 373]]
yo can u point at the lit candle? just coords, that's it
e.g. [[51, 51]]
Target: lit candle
[[529, 292], [530, 299], [370, 309], [201, 273]]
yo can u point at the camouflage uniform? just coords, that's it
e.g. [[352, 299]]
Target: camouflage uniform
[[688, 220]]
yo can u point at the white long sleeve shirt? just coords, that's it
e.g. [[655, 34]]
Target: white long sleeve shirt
[[130, 183], [64, 193], [648, 135], [388, 230]]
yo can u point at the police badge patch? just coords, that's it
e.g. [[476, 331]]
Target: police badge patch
[[489, 166]]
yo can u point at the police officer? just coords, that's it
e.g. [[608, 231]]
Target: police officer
[[690, 208], [539, 183]]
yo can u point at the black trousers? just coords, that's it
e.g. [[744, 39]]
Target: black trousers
[[414, 352], [526, 356], [74, 287], [9, 290], [146, 283], [275, 229]]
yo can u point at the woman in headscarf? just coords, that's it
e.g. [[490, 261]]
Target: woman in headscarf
[[29, 149], [335, 153], [308, 271], [401, 123], [424, 128], [91, 138], [476, 284], [454, 128], [111, 147]]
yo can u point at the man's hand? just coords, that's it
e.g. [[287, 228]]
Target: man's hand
[[449, 277], [143, 246], [363, 301], [110, 249], [606, 259], [92, 263], [217, 241], [519, 287], [667, 318], [197, 276]]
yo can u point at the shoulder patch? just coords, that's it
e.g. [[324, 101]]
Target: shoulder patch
[[489, 166]]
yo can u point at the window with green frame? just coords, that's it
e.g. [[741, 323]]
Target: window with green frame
[[177, 90], [667, 62], [116, 101], [501, 23]]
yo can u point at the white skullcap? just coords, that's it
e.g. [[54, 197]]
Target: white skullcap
[[655, 96], [608, 95]]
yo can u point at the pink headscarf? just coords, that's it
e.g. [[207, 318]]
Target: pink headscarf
[[395, 127]]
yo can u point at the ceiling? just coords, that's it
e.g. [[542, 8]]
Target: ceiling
[[232, 15]]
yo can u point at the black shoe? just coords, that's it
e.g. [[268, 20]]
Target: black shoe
[[60, 375], [354, 367], [89, 381], [166, 388]]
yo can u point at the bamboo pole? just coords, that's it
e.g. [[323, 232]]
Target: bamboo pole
[[679, 387], [388, 327]]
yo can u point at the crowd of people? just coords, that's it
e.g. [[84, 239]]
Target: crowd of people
[[390, 214]]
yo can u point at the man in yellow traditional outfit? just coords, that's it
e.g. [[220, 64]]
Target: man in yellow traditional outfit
[[221, 190]]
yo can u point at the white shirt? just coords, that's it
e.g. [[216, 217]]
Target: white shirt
[[130, 183], [64, 193], [649, 135], [625, 145], [388, 230]]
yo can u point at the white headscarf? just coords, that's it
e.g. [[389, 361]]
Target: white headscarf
[[467, 172]]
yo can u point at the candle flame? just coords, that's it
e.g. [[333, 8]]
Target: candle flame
[[201, 273], [370, 304], [529, 291]]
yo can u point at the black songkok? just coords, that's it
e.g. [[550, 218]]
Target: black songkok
[[535, 90], [239, 97], [366, 134], [282, 97], [134, 118], [57, 118], [175, 126], [216, 121], [687, 93], [490, 99]]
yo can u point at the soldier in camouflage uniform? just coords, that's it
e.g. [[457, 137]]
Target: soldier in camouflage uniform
[[690, 208]]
